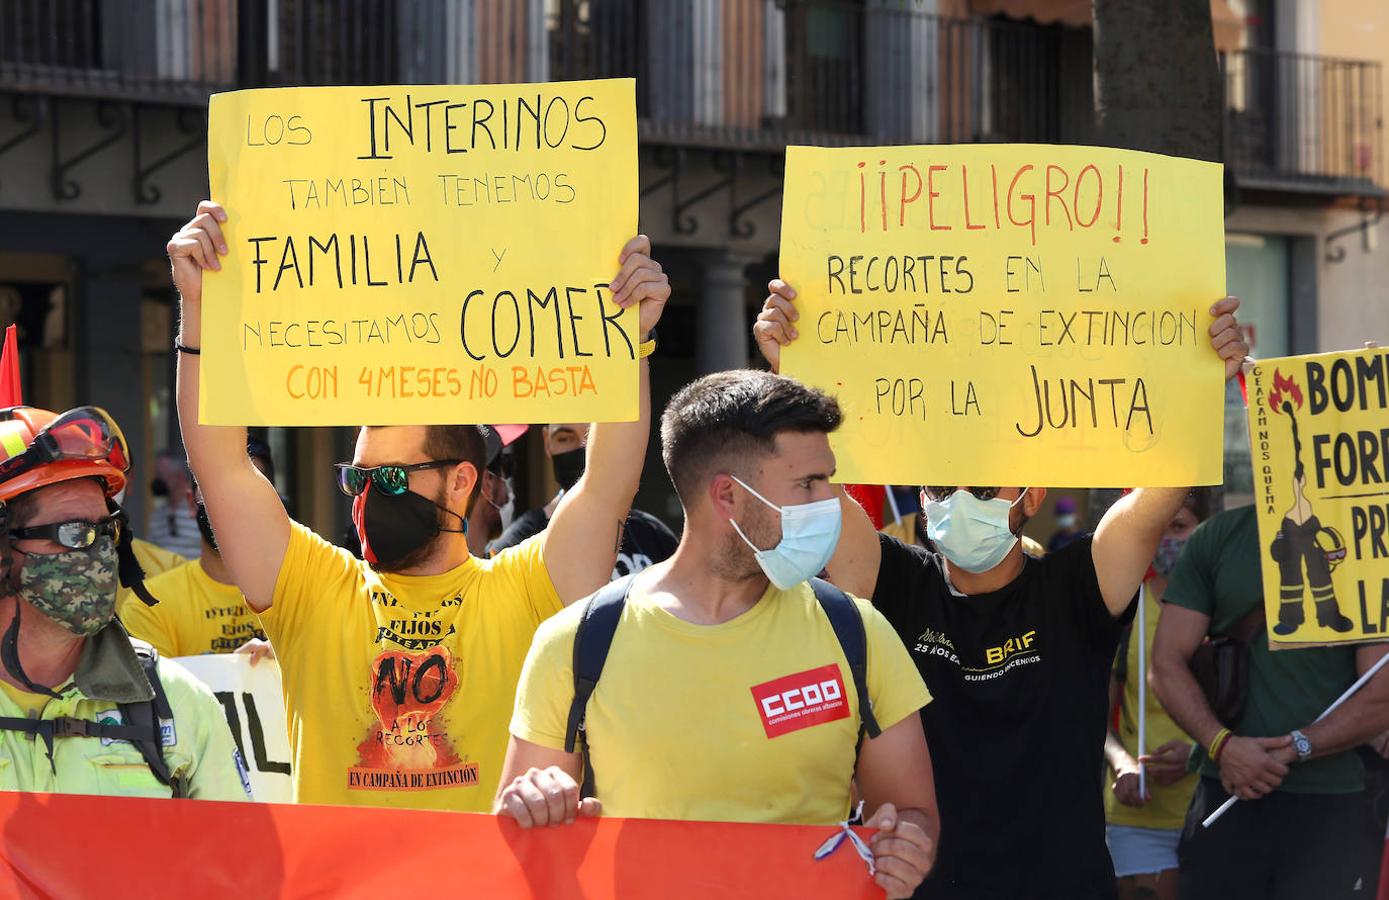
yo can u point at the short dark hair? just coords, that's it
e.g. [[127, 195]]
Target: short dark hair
[[736, 415], [456, 442]]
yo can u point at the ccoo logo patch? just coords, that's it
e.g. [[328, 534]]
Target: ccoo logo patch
[[808, 698]]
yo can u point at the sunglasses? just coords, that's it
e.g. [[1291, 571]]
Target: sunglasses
[[940, 493], [85, 433], [73, 535], [391, 480]]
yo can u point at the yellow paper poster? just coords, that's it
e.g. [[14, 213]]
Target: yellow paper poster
[[1319, 437], [421, 255], [1003, 314]]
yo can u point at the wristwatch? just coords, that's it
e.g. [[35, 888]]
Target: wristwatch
[[1302, 745]]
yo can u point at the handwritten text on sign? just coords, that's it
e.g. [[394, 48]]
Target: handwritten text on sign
[[252, 699], [1319, 436], [428, 254], [1009, 314]]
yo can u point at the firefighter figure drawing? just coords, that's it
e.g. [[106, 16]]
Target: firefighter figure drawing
[[1306, 552]]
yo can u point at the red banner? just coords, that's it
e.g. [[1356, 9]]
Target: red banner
[[75, 846]]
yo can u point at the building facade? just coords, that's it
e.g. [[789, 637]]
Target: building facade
[[103, 154]]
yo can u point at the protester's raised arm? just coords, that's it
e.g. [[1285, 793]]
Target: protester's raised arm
[[1126, 540], [1128, 535], [858, 555], [581, 543], [854, 566], [251, 525]]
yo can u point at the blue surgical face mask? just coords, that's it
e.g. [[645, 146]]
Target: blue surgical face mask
[[973, 534], [809, 534]]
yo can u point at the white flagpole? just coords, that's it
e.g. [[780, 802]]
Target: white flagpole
[[1350, 691], [1141, 635]]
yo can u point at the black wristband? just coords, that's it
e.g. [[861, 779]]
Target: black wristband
[[191, 351]]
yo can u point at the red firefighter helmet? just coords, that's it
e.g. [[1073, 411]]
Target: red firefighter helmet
[[39, 448]]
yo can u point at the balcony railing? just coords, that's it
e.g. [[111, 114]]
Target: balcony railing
[[723, 72], [173, 50], [726, 71], [1310, 123], [773, 70]]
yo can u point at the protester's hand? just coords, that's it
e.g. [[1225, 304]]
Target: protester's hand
[[1167, 764], [775, 326], [902, 852], [543, 797], [195, 247], [1381, 745], [257, 649], [1126, 788], [641, 280], [1226, 337], [1248, 767]]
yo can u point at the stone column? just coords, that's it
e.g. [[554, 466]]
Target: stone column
[[723, 325]]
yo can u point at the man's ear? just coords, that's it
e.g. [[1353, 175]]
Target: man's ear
[[463, 478], [722, 493], [1032, 501]]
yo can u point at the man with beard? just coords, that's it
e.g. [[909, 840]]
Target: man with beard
[[645, 538], [399, 669], [724, 665], [83, 709], [1017, 652], [200, 610]]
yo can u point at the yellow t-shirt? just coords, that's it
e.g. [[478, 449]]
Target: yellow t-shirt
[[155, 560], [398, 688], [1168, 807], [194, 615], [751, 720]]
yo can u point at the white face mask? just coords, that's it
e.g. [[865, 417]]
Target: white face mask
[[809, 534], [973, 534]]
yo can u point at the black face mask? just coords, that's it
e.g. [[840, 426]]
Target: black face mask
[[205, 526], [393, 528], [159, 488], [569, 467]]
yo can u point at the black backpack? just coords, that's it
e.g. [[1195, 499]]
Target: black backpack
[[140, 725], [594, 637]]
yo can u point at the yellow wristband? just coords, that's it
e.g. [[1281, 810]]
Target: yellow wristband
[[1218, 744], [646, 348]]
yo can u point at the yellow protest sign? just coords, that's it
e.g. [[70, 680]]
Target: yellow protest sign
[[1319, 438], [997, 314], [421, 255]]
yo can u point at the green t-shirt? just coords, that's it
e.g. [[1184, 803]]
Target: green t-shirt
[[1218, 575]]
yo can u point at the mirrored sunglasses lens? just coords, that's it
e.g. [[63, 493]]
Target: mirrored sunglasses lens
[[351, 481], [77, 535], [391, 479]]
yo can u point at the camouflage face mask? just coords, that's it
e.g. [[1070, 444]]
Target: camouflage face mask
[[76, 589]]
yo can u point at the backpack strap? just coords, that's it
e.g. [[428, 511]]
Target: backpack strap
[[146, 718], [592, 640], [67, 726], [140, 726], [853, 641]]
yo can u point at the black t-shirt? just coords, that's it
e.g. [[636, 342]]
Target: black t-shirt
[[645, 539], [1020, 681]]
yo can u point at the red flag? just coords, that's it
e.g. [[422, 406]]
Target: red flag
[[871, 497], [11, 393]]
